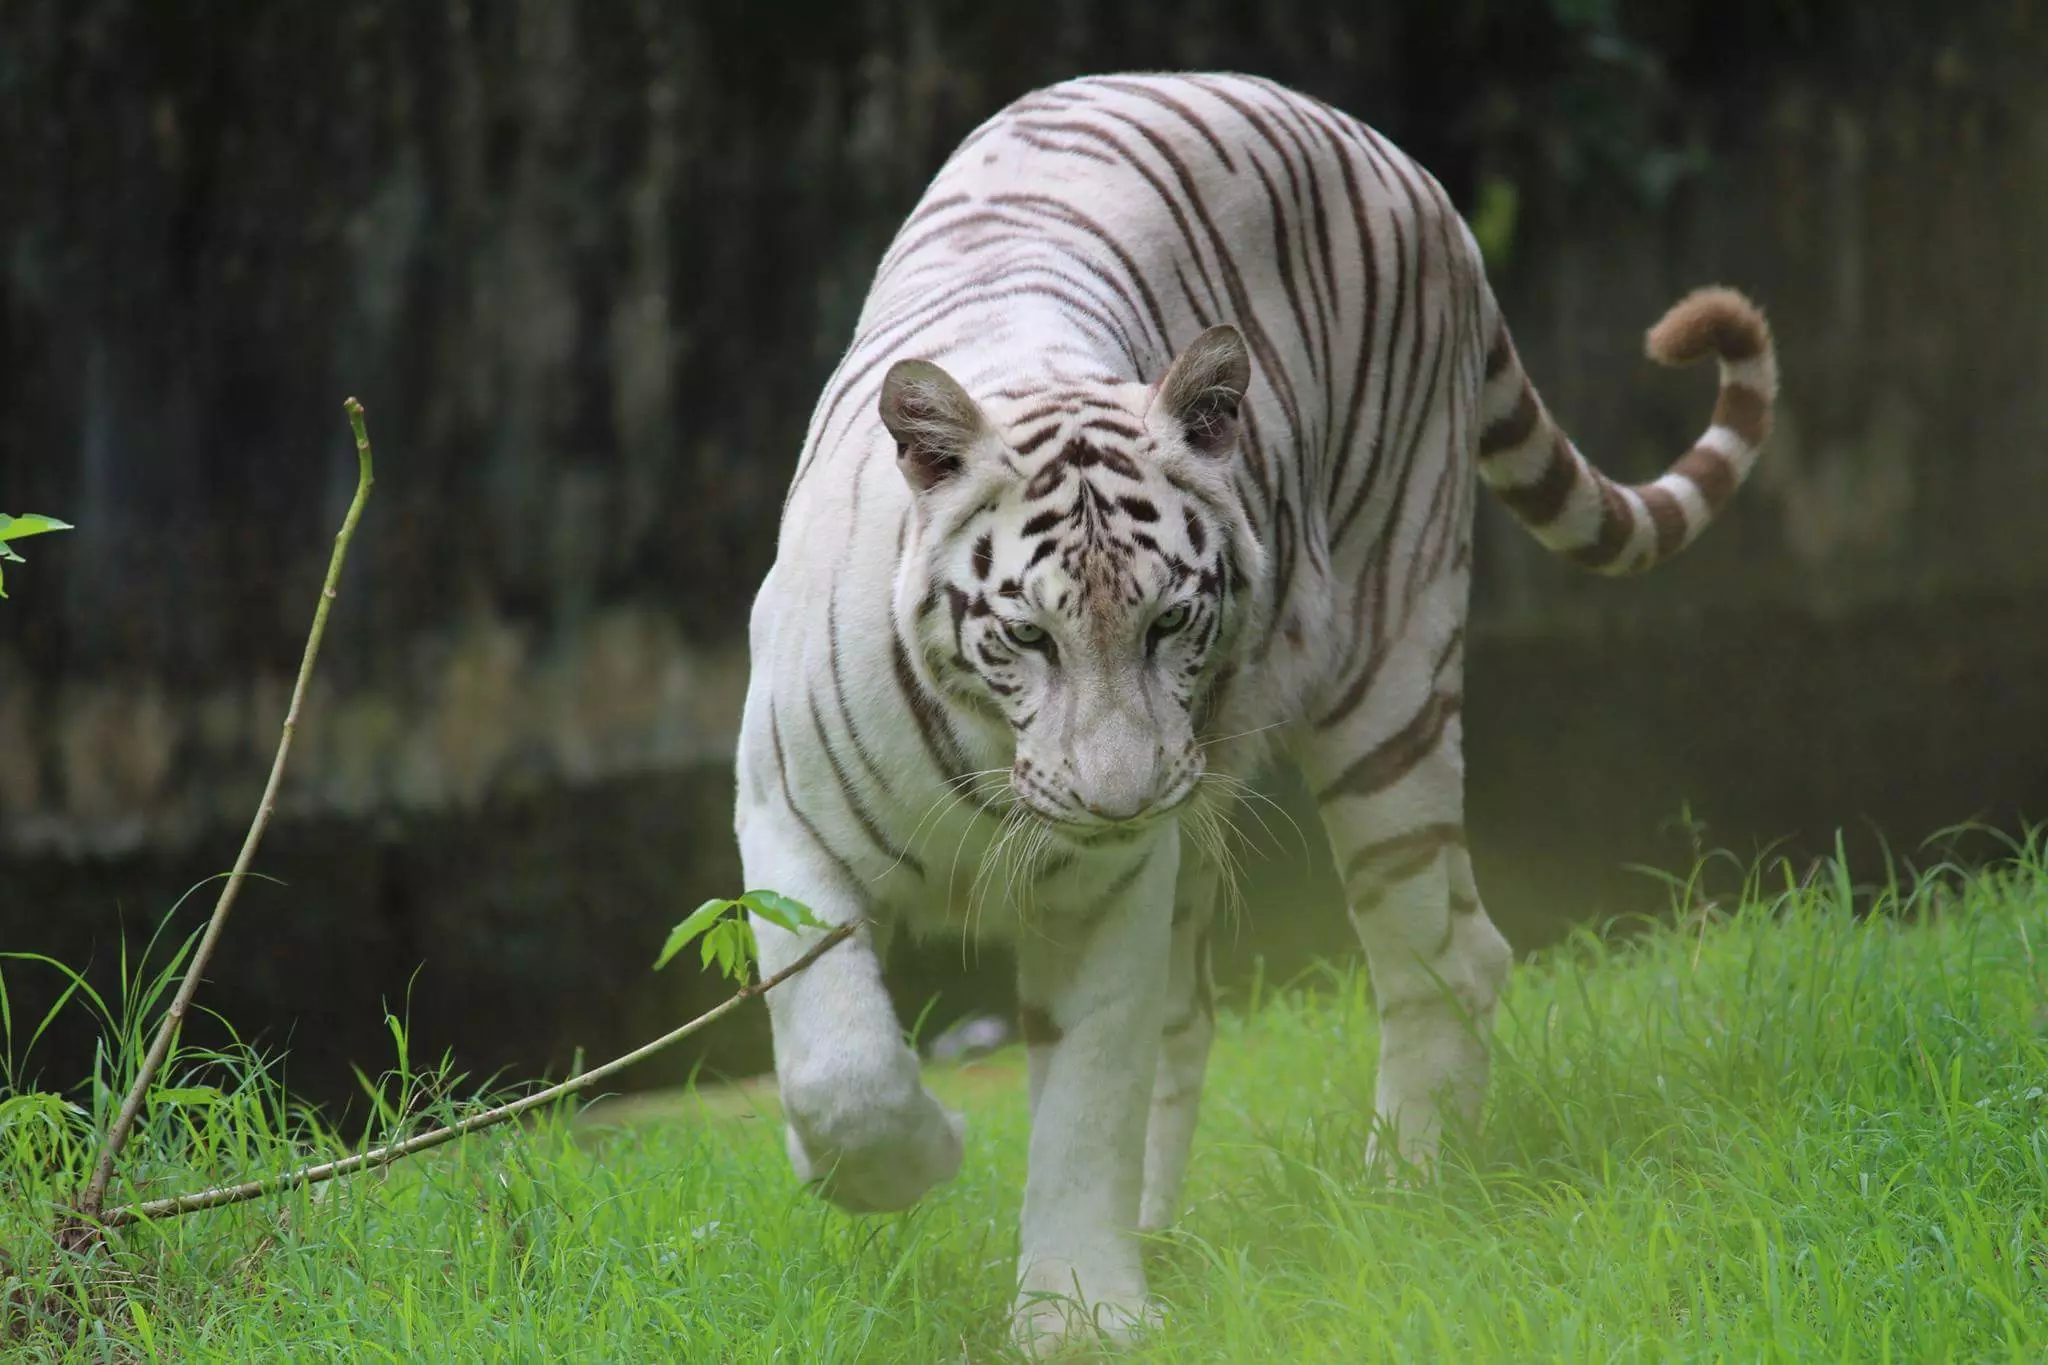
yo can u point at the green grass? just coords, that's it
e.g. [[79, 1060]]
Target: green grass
[[1789, 1134]]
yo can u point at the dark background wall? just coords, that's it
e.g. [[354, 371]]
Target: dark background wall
[[587, 265]]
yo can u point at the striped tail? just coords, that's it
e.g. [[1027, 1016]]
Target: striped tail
[[1615, 528]]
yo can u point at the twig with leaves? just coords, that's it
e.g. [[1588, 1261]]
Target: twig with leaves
[[88, 1210], [385, 1155], [726, 940]]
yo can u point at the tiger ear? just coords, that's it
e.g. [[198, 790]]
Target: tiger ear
[[933, 420], [1204, 390]]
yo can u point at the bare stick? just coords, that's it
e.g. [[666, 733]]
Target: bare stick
[[384, 1156], [160, 1046]]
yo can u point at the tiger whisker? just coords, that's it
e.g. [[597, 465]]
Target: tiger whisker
[[993, 860], [1014, 859], [1212, 833], [962, 788], [1036, 844], [958, 789], [1012, 812], [1241, 734], [980, 793], [1246, 791]]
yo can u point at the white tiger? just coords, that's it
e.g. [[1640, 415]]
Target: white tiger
[[1153, 448]]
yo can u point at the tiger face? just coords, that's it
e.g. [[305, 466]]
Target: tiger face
[[1082, 570]]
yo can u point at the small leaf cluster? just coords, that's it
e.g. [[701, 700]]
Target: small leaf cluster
[[723, 936], [14, 528]]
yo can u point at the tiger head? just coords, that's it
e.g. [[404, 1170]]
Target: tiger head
[[1081, 567]]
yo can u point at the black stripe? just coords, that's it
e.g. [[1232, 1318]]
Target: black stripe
[[908, 248], [1356, 692], [1399, 754], [860, 748], [1415, 401], [1174, 106], [859, 809], [1512, 431], [1030, 444], [1046, 144], [1047, 206], [1415, 398], [1322, 283], [1437, 525], [925, 709], [1145, 172], [1241, 306], [1280, 571], [1374, 470], [1501, 353], [1368, 337], [1394, 860], [1617, 527], [1283, 218], [1542, 501], [1443, 941], [1283, 253], [853, 880]]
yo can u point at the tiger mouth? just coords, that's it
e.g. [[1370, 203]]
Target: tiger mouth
[[1112, 833], [1104, 836]]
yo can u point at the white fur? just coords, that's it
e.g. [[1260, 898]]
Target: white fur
[[1759, 372], [1345, 647]]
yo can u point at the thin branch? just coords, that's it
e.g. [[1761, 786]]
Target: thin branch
[[384, 1156], [160, 1046]]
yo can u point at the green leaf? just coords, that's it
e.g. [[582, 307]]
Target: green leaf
[[29, 524], [780, 911], [727, 940], [715, 950], [691, 929]]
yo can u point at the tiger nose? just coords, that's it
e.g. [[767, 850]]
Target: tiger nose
[[1130, 808]]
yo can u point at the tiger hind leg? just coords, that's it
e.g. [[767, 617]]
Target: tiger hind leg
[[1389, 777]]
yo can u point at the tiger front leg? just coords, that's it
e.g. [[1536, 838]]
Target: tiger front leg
[[1092, 989], [861, 1129], [1183, 1045]]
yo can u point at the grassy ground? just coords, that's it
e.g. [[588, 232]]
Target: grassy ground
[[1789, 1134]]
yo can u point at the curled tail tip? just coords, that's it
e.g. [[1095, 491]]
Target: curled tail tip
[[1713, 321]]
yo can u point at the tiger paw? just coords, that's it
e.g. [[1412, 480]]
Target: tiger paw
[[1045, 1327], [871, 1149], [1061, 1311]]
